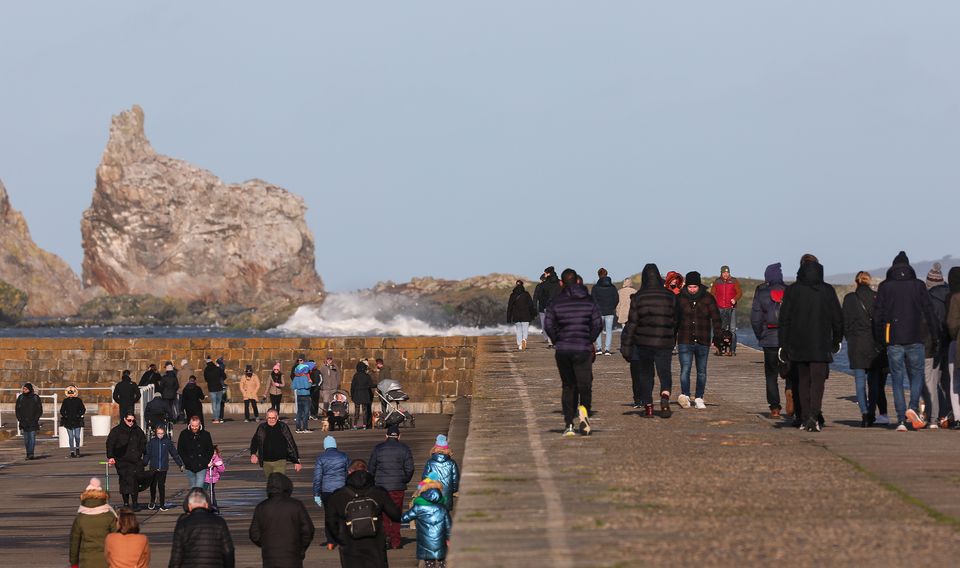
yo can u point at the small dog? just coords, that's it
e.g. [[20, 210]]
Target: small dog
[[724, 343], [325, 425]]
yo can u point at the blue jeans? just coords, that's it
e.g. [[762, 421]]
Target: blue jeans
[[303, 411], [687, 352], [608, 329], [523, 331], [195, 479], [73, 436], [216, 405], [906, 363], [543, 327], [30, 441]]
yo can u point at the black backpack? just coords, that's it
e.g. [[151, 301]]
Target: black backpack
[[361, 513]]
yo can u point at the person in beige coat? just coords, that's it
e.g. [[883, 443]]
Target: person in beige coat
[[250, 390], [623, 306], [127, 548]]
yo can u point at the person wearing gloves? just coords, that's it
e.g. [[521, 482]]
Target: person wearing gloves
[[445, 468], [329, 474]]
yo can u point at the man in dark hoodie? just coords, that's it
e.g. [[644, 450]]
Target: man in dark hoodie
[[953, 326], [281, 526], [698, 322], [765, 318], [544, 294], [606, 295], [573, 323], [369, 552], [903, 316], [126, 393], [28, 410], [648, 338], [810, 332]]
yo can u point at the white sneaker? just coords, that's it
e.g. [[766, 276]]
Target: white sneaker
[[902, 427], [569, 432], [882, 419], [599, 352], [699, 404], [684, 401], [933, 426]]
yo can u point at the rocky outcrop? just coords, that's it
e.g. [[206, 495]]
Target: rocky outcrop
[[162, 227], [429, 286], [51, 286]]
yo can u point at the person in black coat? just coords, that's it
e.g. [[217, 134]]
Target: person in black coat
[[126, 445], [201, 538], [811, 329], [520, 311], [865, 355], [361, 396], [28, 410], [195, 446], [149, 377], [361, 552], [765, 319], [216, 380], [607, 296], [281, 526], [167, 388], [126, 393], [391, 465], [648, 338], [545, 293], [72, 410], [192, 399]]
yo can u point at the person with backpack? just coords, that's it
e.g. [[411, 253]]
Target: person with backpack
[[354, 516], [697, 317], [433, 527], [935, 361], [765, 319], [281, 525], [865, 355], [520, 310], [329, 475], [71, 416], [391, 465], [727, 292], [606, 295]]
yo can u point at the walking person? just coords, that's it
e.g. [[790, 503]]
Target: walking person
[[183, 378], [765, 319], [331, 381], [607, 297], [727, 292], [444, 468], [215, 469], [126, 393], [698, 316], [71, 418], [275, 387], [953, 327], [935, 361], [167, 388], [360, 394], [863, 351], [272, 446], [543, 296], [126, 547], [201, 538], [301, 387], [316, 383], [520, 310], [573, 323], [903, 318], [281, 526], [250, 390], [157, 461], [216, 383], [195, 447], [191, 400], [811, 329], [94, 521], [433, 527], [391, 465], [150, 377], [623, 301], [329, 475], [648, 338], [361, 543], [126, 445]]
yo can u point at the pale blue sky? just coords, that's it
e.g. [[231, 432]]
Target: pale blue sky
[[455, 139]]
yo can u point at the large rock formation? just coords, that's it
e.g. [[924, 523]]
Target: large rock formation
[[160, 226], [51, 286]]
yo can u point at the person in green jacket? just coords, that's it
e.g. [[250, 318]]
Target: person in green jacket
[[95, 520]]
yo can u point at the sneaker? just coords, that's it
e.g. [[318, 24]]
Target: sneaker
[[246, 420], [569, 432], [607, 353], [934, 427], [584, 420], [665, 406], [902, 427], [151, 506], [882, 419], [699, 404], [816, 427], [637, 405], [915, 420], [684, 401], [163, 508], [599, 352]]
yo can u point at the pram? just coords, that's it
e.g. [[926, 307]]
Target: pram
[[391, 413], [338, 415]]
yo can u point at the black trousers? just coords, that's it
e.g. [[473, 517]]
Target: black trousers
[[361, 411], [812, 377], [158, 485], [275, 402], [314, 401], [771, 372], [247, 403], [876, 392], [576, 376], [642, 366]]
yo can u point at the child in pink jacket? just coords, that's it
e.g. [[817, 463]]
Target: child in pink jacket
[[214, 469]]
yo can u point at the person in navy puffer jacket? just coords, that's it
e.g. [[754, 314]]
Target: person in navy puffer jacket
[[765, 319], [433, 527], [573, 323], [329, 474], [445, 468], [157, 458]]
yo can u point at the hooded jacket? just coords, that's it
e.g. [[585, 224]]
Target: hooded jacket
[[281, 526], [214, 376], [201, 539], [623, 302], [862, 348], [29, 409], [330, 471], [168, 385], [903, 313], [652, 322], [573, 321], [447, 472], [366, 552], [94, 521], [765, 311], [697, 317], [606, 295], [126, 393], [811, 321], [195, 449], [520, 306], [361, 384], [433, 525], [191, 398], [546, 292], [71, 412], [301, 378], [158, 454], [391, 464]]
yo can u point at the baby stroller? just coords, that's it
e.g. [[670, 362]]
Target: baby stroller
[[338, 415], [391, 413]]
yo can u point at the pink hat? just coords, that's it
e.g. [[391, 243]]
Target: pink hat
[[94, 485]]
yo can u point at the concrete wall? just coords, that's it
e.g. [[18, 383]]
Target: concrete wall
[[429, 368]]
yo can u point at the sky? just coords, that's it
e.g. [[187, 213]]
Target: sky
[[456, 139]]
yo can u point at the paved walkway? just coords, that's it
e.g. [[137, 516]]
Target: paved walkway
[[720, 486]]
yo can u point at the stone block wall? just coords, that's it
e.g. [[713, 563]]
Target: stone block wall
[[431, 369]]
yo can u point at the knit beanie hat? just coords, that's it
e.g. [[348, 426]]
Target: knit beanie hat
[[441, 441], [329, 442], [94, 485], [724, 268], [935, 276], [693, 278]]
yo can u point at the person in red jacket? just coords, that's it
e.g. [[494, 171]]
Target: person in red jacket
[[727, 292]]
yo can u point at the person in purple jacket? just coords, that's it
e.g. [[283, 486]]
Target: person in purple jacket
[[573, 322]]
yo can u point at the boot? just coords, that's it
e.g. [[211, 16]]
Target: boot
[[648, 410], [788, 394]]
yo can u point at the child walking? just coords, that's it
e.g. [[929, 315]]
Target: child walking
[[433, 524], [157, 458], [214, 469]]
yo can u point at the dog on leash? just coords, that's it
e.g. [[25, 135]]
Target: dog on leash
[[724, 343]]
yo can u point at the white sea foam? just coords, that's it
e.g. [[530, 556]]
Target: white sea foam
[[364, 314]]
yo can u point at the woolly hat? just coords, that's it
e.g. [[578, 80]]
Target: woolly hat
[[94, 485], [441, 441], [724, 268], [901, 259], [693, 278], [329, 442], [934, 277]]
